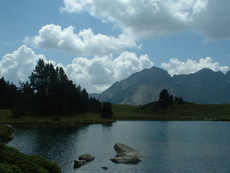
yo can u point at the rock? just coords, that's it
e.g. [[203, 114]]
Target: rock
[[79, 163], [83, 159], [125, 150], [6, 133], [86, 157], [9, 127], [126, 154], [105, 168], [126, 159]]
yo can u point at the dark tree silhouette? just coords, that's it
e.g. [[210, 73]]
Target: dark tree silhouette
[[7, 93], [50, 92], [106, 110], [164, 99]]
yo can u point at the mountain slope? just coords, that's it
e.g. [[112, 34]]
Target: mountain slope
[[204, 86], [139, 88]]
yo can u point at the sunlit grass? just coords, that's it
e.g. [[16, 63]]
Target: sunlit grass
[[187, 111]]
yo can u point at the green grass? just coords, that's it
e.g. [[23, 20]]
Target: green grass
[[187, 111], [86, 118]]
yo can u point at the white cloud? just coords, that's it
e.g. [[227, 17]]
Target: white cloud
[[141, 18], [84, 43], [149, 18], [17, 66], [94, 74], [99, 73], [175, 66]]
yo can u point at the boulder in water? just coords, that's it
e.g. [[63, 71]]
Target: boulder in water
[[86, 157], [83, 159], [79, 163], [126, 154]]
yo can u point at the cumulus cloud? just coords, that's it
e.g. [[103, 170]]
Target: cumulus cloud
[[175, 66], [99, 73], [94, 74], [149, 18], [84, 43], [17, 66]]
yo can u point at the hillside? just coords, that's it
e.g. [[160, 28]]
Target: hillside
[[204, 86], [175, 112]]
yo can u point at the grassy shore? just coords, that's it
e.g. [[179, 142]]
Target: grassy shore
[[12, 161], [187, 111], [80, 119]]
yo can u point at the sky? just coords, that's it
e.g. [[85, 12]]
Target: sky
[[99, 42]]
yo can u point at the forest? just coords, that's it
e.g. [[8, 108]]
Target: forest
[[48, 92]]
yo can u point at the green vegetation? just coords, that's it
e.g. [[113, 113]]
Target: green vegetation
[[83, 118], [185, 111], [48, 92], [12, 161]]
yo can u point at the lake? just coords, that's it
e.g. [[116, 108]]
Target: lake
[[169, 146]]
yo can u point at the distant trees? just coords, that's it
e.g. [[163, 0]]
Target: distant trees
[[48, 92], [165, 99]]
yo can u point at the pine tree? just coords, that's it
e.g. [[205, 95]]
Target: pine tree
[[106, 110]]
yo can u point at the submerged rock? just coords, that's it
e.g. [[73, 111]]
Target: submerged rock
[[126, 154], [104, 167]]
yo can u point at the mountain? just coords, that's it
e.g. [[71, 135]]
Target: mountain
[[139, 88], [204, 86]]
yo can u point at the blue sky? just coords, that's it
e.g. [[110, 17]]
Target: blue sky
[[100, 42]]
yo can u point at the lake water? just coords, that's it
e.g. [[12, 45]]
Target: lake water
[[169, 146]]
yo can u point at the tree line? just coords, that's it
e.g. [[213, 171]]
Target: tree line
[[164, 101], [48, 92]]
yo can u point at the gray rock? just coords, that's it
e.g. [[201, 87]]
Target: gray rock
[[126, 154], [125, 150], [126, 159], [86, 157], [79, 163], [6, 133]]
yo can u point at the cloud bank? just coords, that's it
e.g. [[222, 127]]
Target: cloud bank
[[100, 72], [94, 74], [149, 18], [17, 66], [83, 43], [175, 66]]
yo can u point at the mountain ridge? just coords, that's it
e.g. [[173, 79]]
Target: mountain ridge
[[204, 86]]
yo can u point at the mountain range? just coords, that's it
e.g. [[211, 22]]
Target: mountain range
[[204, 86]]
